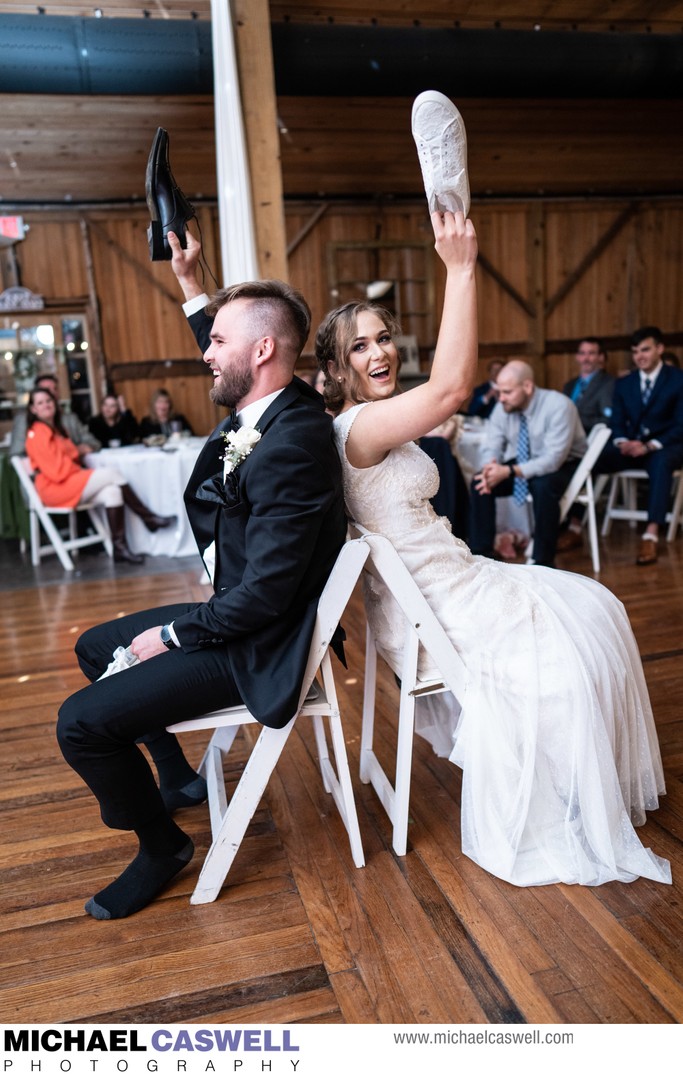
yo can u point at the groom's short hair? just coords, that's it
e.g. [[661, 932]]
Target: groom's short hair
[[279, 309]]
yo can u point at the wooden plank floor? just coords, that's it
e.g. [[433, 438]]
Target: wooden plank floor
[[299, 934]]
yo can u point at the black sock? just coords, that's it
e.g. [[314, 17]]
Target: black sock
[[179, 784], [164, 851]]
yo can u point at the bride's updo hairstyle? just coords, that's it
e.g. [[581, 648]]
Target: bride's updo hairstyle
[[333, 342]]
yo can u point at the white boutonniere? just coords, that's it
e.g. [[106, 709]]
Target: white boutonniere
[[238, 445]]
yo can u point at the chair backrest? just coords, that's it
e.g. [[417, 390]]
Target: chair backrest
[[388, 565], [597, 439], [331, 605], [24, 470]]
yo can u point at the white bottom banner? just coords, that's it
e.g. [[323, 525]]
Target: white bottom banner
[[328, 1050]]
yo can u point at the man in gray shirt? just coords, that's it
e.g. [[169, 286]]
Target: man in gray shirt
[[533, 444]]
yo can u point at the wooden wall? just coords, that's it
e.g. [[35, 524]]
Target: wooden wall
[[550, 272]]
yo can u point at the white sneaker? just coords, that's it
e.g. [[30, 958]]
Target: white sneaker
[[441, 141]]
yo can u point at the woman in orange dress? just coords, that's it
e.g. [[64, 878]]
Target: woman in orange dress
[[63, 482]]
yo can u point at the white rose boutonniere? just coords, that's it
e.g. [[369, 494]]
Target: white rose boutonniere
[[238, 445]]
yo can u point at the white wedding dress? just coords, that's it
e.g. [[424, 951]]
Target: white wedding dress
[[555, 734]]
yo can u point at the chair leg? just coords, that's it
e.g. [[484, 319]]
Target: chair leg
[[631, 496], [368, 723], [239, 813], [103, 532], [337, 778], [676, 511], [35, 539], [611, 498], [592, 525], [404, 749], [57, 543]]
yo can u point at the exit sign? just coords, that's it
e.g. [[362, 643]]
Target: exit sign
[[12, 230]]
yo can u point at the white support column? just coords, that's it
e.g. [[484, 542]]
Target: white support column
[[235, 214]]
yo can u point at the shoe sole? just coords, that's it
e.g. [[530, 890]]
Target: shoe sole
[[159, 249], [460, 192]]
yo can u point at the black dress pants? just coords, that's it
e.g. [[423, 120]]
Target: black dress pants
[[660, 466], [99, 725], [546, 493]]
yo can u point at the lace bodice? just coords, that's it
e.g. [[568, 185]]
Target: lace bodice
[[392, 497]]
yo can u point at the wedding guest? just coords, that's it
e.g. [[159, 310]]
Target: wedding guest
[[162, 418], [115, 425], [592, 389], [534, 441], [76, 430], [62, 481], [647, 428], [485, 396]]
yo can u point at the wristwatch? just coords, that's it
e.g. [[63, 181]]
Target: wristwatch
[[166, 638]]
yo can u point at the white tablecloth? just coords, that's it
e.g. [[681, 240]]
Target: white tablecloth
[[159, 477]]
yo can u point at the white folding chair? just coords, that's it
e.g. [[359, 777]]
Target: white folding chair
[[229, 822], [421, 628], [622, 501], [40, 516], [582, 489]]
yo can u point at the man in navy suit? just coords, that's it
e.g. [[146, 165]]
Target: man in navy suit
[[647, 427], [269, 524]]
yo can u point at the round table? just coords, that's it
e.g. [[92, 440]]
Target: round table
[[159, 476]]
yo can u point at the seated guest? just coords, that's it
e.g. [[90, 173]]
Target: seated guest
[[592, 393], [534, 441], [75, 429], [115, 425], [647, 428], [62, 482], [162, 419], [485, 396], [592, 390]]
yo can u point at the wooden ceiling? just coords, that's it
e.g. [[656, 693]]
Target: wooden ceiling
[[57, 149]]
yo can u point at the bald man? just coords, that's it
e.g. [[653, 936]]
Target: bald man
[[534, 442]]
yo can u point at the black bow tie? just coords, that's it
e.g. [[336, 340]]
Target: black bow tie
[[231, 422]]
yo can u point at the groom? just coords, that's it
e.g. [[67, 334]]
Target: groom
[[269, 532]]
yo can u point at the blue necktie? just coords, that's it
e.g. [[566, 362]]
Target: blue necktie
[[521, 486], [647, 390], [578, 389]]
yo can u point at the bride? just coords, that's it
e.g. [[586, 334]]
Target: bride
[[555, 734]]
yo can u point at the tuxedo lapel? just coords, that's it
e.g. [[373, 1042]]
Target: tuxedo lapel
[[203, 494], [208, 461]]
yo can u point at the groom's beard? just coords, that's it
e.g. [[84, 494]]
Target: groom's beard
[[233, 384]]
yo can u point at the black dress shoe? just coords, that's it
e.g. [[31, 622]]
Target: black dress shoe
[[168, 206]]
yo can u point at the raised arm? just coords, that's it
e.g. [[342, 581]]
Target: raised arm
[[185, 264], [392, 422]]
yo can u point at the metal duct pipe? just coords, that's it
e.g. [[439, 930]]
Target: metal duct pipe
[[63, 55]]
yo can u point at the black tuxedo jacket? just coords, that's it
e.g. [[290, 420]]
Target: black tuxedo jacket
[[278, 524], [661, 419], [595, 402]]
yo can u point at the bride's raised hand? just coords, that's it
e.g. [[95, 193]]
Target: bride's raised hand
[[455, 240]]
